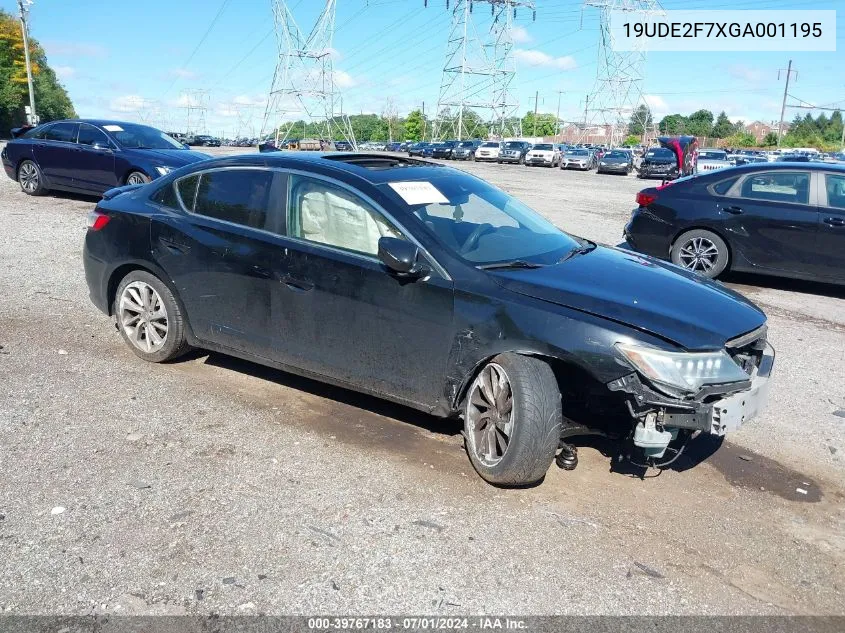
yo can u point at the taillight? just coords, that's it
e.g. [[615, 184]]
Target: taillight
[[97, 220], [644, 199]]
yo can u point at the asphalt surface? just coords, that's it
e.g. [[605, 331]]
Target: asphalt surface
[[211, 484]]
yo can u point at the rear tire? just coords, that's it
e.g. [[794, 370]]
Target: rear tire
[[701, 251], [148, 318], [31, 179], [514, 401]]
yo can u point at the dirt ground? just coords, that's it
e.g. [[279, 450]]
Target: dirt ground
[[212, 484]]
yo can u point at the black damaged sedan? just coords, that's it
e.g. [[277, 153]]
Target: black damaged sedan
[[429, 287]]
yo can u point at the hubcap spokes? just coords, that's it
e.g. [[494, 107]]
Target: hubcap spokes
[[29, 177], [135, 179], [143, 316], [699, 254], [490, 414]]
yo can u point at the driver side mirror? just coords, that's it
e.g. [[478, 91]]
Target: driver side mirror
[[103, 147], [401, 257]]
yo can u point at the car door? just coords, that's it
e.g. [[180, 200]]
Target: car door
[[95, 160], [831, 234], [772, 219], [340, 313], [222, 252], [56, 153]]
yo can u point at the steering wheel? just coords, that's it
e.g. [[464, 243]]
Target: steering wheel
[[472, 241]]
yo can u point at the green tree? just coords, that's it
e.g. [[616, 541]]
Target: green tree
[[770, 140], [673, 124], [641, 120], [741, 139], [723, 127], [543, 125], [632, 139], [51, 99], [414, 126], [700, 123]]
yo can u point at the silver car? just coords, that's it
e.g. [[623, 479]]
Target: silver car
[[578, 159], [711, 160]]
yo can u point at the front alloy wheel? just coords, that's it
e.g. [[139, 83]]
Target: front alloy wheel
[[701, 251], [137, 178], [512, 420]]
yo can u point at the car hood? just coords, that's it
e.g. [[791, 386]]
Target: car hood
[[621, 161], [641, 292], [170, 157]]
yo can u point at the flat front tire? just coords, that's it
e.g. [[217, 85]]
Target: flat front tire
[[702, 252], [148, 317], [512, 420]]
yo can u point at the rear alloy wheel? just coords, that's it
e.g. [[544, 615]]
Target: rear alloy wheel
[[512, 420], [149, 318], [30, 179], [701, 251], [137, 178]]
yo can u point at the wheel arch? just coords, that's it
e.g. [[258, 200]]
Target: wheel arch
[[120, 271], [701, 227], [559, 364]]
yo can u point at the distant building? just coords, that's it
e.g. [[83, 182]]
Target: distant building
[[759, 130]]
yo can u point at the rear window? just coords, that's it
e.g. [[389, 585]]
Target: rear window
[[239, 196]]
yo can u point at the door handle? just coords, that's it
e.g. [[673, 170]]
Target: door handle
[[733, 210], [834, 221], [296, 284]]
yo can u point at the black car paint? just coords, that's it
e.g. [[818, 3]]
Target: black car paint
[[662, 164], [777, 238], [293, 305], [444, 149]]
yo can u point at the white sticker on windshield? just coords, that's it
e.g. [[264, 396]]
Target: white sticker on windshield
[[113, 128], [418, 192]]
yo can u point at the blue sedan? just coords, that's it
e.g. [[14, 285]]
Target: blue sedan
[[87, 156]]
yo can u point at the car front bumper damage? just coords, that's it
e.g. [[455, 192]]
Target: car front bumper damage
[[715, 409]]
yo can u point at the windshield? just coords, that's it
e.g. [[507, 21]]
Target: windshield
[[660, 152], [484, 225], [544, 146], [578, 152], [622, 155], [713, 155], [513, 145], [490, 145], [467, 144], [133, 136]]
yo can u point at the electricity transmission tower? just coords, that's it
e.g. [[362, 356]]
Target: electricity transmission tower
[[196, 105], [617, 91], [475, 91], [303, 82]]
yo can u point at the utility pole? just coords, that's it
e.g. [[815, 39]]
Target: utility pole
[[789, 71], [557, 116], [536, 102], [23, 7]]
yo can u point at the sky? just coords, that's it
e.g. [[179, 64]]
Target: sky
[[145, 61]]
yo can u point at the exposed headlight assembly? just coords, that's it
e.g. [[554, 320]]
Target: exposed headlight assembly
[[163, 170], [688, 371]]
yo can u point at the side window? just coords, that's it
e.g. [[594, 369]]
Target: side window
[[39, 132], [778, 186], [835, 186], [89, 135], [721, 188], [62, 132], [187, 188], [323, 213], [167, 196], [240, 196]]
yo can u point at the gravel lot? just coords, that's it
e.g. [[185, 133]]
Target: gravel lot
[[212, 484]]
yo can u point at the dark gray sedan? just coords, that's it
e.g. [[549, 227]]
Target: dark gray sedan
[[616, 161]]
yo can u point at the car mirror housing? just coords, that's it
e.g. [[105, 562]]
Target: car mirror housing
[[401, 257]]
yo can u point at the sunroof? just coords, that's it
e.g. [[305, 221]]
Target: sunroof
[[377, 161]]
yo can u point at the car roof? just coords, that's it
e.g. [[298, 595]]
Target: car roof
[[375, 168], [754, 167]]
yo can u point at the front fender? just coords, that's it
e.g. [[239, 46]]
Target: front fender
[[534, 327]]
